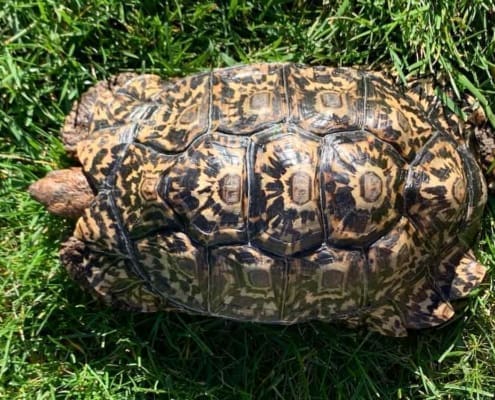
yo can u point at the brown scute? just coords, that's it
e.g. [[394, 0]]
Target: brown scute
[[65, 192], [277, 193]]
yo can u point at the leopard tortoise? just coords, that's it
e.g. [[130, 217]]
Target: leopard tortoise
[[274, 193]]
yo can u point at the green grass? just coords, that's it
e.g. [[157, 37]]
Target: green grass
[[55, 342]]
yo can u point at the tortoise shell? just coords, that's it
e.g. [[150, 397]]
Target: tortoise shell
[[276, 193]]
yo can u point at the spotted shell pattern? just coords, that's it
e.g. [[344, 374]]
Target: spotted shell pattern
[[278, 193]]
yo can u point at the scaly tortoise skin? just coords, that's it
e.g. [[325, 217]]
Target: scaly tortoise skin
[[276, 193]]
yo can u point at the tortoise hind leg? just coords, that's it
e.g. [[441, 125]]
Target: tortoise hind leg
[[423, 308], [426, 307], [106, 120], [469, 274], [458, 275], [429, 303], [109, 100]]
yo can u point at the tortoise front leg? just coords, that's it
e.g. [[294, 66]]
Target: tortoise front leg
[[77, 125]]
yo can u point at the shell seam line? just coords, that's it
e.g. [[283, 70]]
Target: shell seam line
[[284, 290], [322, 153], [286, 91], [365, 100], [209, 279], [366, 280], [210, 102], [128, 246], [249, 163]]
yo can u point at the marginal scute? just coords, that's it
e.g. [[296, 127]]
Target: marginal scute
[[325, 284], [78, 124], [177, 269], [386, 320], [141, 88], [247, 99], [120, 108], [246, 284], [110, 280]]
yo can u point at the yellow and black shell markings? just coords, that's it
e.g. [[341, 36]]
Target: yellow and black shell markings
[[437, 189], [326, 284], [362, 180], [278, 193], [207, 187], [109, 276], [248, 99], [395, 117], [177, 268], [476, 197], [284, 212], [325, 100], [247, 284], [126, 104], [179, 113], [396, 260]]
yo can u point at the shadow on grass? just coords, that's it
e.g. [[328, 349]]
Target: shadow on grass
[[178, 355], [86, 348]]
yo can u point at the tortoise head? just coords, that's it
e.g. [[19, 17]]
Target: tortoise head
[[65, 192]]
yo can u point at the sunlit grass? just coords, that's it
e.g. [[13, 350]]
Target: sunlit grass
[[55, 342]]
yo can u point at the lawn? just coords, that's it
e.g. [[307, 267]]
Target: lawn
[[56, 342]]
